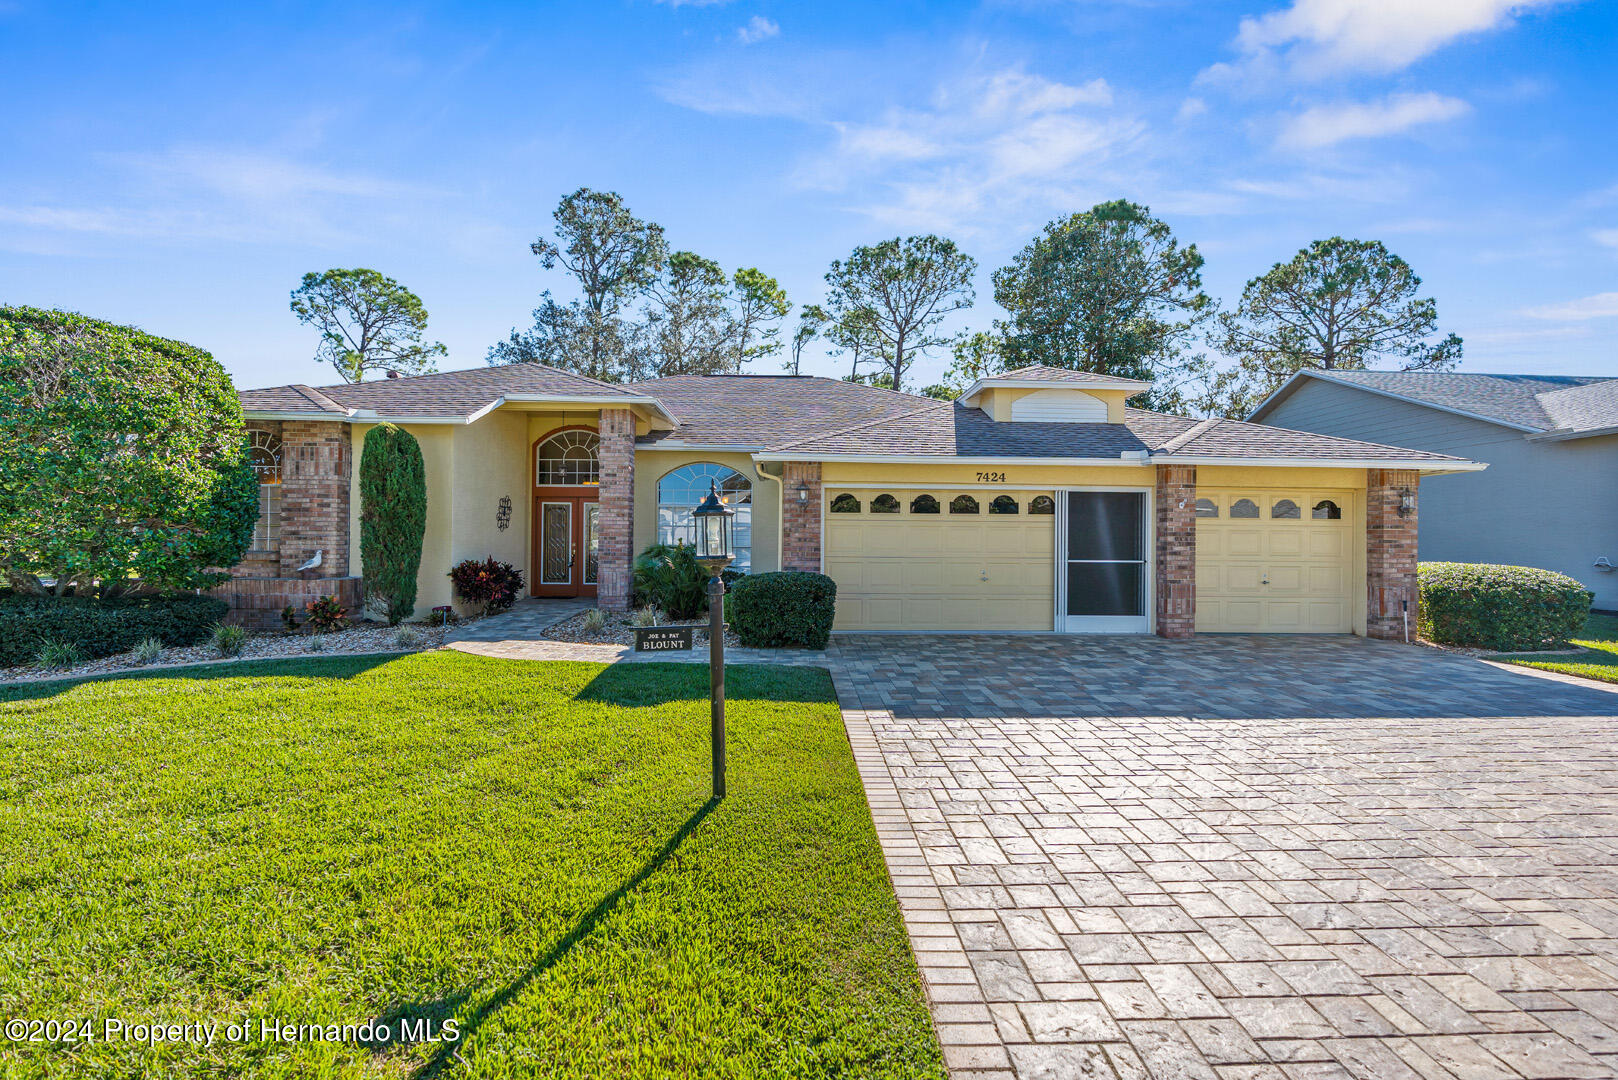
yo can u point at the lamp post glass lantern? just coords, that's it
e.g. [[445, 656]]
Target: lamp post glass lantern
[[715, 552]]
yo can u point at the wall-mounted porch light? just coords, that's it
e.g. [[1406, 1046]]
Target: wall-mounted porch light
[[1407, 502], [803, 492]]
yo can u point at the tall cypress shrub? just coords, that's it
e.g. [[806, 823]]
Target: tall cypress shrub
[[393, 519]]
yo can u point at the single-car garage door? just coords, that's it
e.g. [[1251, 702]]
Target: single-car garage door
[[1275, 562], [940, 560]]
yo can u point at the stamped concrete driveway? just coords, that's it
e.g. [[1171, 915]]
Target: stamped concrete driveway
[[1254, 858]]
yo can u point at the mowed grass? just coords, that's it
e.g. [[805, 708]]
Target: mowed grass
[[1601, 662], [525, 848]]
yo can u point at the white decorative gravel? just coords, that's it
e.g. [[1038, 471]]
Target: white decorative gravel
[[261, 644]]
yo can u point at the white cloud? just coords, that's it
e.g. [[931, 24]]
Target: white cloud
[[1599, 306], [1327, 125], [1320, 38], [757, 29], [985, 145], [1190, 109], [201, 194], [1609, 237]]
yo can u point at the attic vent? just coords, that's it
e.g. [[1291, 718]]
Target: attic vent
[[1059, 407]]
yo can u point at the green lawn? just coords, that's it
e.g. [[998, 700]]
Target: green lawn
[[521, 847], [1601, 636]]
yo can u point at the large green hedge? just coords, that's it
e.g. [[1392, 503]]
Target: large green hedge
[[101, 627], [393, 519], [788, 608], [1505, 608]]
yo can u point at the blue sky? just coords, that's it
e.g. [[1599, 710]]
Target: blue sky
[[180, 167]]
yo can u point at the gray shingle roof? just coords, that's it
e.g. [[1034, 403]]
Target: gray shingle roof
[[1046, 373], [763, 410], [448, 393], [1538, 402], [950, 429]]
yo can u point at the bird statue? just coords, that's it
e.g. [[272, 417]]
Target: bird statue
[[313, 563]]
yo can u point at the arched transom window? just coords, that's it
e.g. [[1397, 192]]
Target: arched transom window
[[680, 492], [264, 451], [568, 459]]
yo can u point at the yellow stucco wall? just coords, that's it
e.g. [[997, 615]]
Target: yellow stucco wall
[[651, 465], [491, 461], [996, 400]]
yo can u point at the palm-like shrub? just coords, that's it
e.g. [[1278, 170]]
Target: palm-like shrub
[[393, 519], [669, 577], [227, 639]]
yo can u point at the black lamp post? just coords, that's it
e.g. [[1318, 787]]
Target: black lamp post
[[715, 552]]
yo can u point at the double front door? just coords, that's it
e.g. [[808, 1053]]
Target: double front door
[[567, 542]]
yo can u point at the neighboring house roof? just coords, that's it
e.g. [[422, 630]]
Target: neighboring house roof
[[950, 429], [1046, 373], [445, 395], [757, 411], [1565, 406], [781, 417]]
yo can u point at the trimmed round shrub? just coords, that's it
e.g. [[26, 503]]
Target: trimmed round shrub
[[786, 608], [1504, 608], [102, 627]]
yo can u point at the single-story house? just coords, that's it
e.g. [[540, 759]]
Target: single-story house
[[1550, 496], [1039, 501]]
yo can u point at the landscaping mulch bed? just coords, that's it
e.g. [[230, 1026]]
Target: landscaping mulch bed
[[620, 631], [261, 644]]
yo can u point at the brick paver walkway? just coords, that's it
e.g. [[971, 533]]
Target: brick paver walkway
[[1245, 858]]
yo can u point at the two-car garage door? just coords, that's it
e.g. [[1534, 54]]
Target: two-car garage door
[[1275, 562]]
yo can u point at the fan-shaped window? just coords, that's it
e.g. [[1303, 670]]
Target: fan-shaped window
[[924, 504], [1244, 508], [1042, 504], [963, 504], [1207, 508], [845, 504], [568, 459], [1285, 508], [884, 504], [681, 491], [1003, 504], [264, 452], [1326, 510]]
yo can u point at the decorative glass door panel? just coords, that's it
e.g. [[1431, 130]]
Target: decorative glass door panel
[[556, 544], [1104, 562], [592, 542]]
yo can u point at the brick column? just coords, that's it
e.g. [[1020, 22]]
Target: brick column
[[1176, 550], [1390, 554], [617, 522], [315, 458], [800, 520]]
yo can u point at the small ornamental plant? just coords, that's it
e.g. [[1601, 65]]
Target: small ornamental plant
[[325, 614], [491, 585]]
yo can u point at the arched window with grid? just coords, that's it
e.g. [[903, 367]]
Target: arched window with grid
[[681, 491]]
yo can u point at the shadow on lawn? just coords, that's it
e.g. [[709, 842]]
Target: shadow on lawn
[[444, 1007], [638, 686], [310, 667]]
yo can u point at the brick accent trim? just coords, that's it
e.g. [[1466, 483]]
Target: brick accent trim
[[800, 520], [1390, 554], [314, 496], [617, 497], [257, 602], [1176, 570]]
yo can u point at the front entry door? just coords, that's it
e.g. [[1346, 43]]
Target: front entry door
[[1104, 564], [567, 541]]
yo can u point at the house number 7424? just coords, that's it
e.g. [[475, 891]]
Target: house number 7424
[[991, 477]]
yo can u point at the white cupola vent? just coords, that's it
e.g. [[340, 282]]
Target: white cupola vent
[[1059, 407]]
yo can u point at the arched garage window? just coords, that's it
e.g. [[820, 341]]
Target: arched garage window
[[679, 492]]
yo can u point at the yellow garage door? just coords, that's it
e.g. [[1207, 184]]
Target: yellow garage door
[[940, 560], [1275, 562]]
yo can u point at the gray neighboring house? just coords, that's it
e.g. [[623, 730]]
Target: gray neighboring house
[[1550, 495]]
